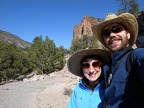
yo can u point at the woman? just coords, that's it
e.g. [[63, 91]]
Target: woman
[[87, 64]]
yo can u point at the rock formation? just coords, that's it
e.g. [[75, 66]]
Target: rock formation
[[84, 28]]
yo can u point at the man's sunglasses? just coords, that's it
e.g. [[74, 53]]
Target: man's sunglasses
[[114, 29], [95, 64]]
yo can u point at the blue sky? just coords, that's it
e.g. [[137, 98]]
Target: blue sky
[[53, 18]]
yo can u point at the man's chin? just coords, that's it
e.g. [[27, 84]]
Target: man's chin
[[114, 48]]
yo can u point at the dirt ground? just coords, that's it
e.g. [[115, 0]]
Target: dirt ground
[[51, 91]]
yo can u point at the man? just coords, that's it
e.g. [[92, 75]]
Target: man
[[118, 34]]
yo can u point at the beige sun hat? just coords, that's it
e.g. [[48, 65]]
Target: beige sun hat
[[126, 19], [73, 63]]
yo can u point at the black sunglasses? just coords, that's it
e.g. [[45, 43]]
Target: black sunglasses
[[95, 64], [114, 29]]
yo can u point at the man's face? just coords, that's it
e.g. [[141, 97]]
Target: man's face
[[116, 37]]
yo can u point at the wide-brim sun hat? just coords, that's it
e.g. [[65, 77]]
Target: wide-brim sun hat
[[74, 60], [126, 19]]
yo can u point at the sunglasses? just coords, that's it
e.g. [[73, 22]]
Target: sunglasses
[[114, 29], [95, 64]]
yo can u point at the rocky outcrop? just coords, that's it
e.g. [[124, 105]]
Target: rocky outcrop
[[84, 28]]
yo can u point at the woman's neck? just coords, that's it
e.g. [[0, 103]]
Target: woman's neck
[[90, 84], [93, 84]]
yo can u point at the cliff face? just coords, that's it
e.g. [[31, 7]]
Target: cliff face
[[84, 28]]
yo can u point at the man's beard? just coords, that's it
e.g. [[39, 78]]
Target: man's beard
[[123, 45]]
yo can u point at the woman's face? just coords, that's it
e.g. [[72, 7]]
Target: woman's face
[[92, 69]]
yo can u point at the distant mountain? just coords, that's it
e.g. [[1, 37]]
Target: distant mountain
[[13, 39]]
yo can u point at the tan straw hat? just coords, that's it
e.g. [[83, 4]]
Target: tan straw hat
[[126, 19], [73, 63]]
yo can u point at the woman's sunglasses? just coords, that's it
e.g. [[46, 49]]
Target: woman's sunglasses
[[114, 29], [95, 64]]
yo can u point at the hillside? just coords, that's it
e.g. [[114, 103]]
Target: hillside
[[13, 39]]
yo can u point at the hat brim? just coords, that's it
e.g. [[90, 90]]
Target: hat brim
[[126, 19], [73, 63]]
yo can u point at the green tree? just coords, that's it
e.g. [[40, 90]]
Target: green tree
[[21, 61], [7, 56], [36, 53], [130, 6], [59, 58], [14, 61], [83, 43], [45, 56], [76, 45], [50, 51]]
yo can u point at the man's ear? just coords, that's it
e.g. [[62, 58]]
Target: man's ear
[[128, 34]]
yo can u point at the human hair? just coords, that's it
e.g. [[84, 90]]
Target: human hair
[[94, 57], [123, 26]]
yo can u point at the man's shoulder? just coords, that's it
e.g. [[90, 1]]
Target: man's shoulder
[[139, 49], [139, 52]]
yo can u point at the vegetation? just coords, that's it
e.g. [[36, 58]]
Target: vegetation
[[83, 43], [130, 6], [43, 56]]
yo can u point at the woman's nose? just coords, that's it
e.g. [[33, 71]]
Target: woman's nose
[[92, 69]]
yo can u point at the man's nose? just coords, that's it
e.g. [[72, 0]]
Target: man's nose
[[112, 34]]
